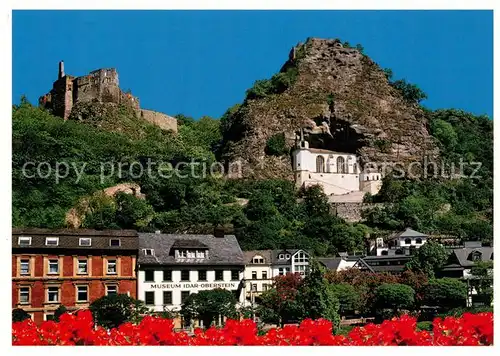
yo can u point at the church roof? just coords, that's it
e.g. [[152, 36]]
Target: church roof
[[321, 150]]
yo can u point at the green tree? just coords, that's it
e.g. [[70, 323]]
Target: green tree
[[447, 293], [428, 259], [113, 310], [445, 133], [410, 92], [19, 315], [317, 296], [394, 296], [482, 280], [348, 297], [61, 309], [209, 305], [276, 145]]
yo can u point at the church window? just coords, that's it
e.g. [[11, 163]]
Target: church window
[[320, 164], [341, 166], [354, 168]]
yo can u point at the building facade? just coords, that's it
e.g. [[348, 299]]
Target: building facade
[[339, 173], [401, 243], [262, 266], [171, 267], [71, 268]]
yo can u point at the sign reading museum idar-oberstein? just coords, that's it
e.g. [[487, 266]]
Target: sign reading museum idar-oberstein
[[193, 285]]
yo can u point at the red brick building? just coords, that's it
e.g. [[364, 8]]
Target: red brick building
[[70, 267]]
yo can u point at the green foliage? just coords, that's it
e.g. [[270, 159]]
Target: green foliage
[[61, 309], [388, 73], [317, 296], [445, 133], [424, 325], [383, 145], [113, 310], [482, 280], [276, 85], [410, 92], [19, 315], [446, 293], [458, 312], [208, 305], [394, 296], [428, 259], [348, 296], [276, 145]]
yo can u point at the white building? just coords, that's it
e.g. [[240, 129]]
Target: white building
[[337, 172], [400, 243], [262, 266], [171, 267]]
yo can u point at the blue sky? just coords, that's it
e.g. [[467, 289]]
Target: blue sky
[[201, 62]]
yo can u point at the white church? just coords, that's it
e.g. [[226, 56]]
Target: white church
[[338, 173]]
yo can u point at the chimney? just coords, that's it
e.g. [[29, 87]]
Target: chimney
[[61, 70], [219, 232]]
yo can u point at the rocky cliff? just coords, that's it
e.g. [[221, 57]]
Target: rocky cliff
[[343, 100]]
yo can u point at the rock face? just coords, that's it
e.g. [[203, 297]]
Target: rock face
[[344, 102]]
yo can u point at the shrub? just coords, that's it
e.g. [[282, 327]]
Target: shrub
[[19, 315], [59, 311], [113, 310], [394, 296], [445, 292], [276, 145]]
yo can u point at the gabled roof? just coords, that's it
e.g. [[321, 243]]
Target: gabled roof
[[275, 256], [221, 250], [408, 233], [266, 254], [361, 263], [331, 263], [188, 243], [462, 255]]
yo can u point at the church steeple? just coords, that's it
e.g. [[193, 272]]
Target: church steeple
[[303, 144]]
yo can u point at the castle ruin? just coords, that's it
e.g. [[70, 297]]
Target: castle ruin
[[100, 86]]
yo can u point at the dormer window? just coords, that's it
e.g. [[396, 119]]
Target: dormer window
[[85, 241], [24, 241], [114, 242], [407, 241], [200, 254], [281, 256], [287, 256], [475, 256], [418, 241], [148, 252], [181, 253], [258, 260], [51, 241]]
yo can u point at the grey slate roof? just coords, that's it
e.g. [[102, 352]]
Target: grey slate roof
[[249, 255], [408, 233], [69, 239], [330, 262], [221, 250], [464, 253], [275, 256]]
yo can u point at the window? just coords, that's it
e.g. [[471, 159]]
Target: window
[[301, 257], [200, 254], [48, 317], [258, 260], [265, 287], [280, 271], [191, 254], [167, 275], [418, 241], [320, 164], [150, 298], [235, 274], [202, 275], [51, 241], [24, 295], [53, 266], [475, 256], [264, 275], [184, 296], [287, 270], [287, 256], [25, 266], [85, 241], [184, 275], [341, 166], [167, 298], [354, 168], [281, 256], [114, 242], [148, 252], [111, 290], [181, 254], [82, 267], [24, 241], [82, 293], [149, 276], [111, 266], [254, 275], [219, 275], [385, 253], [53, 294], [408, 241], [254, 287]]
